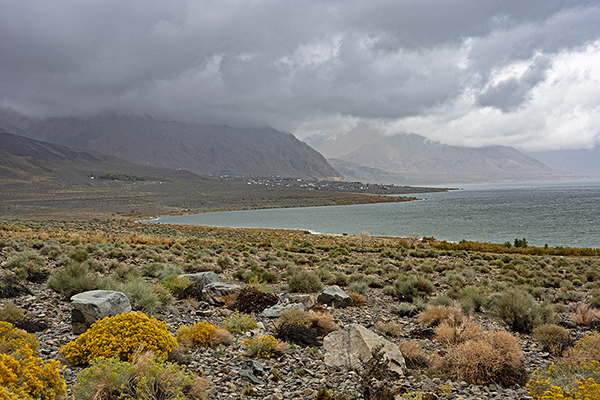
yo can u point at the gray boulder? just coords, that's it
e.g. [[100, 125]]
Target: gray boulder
[[306, 299], [353, 344], [334, 296], [89, 307], [273, 312], [203, 278], [218, 293]]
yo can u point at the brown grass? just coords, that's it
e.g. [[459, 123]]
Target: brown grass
[[434, 315], [295, 317], [553, 338], [451, 332], [10, 312], [358, 300], [494, 357], [220, 336], [585, 315], [413, 354], [390, 328], [323, 323]]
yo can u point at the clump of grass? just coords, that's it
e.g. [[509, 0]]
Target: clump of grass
[[403, 309], [413, 354], [304, 281], [407, 288], [553, 338], [10, 312], [452, 331], [358, 300], [434, 315], [390, 328], [518, 310], [585, 315], [73, 279]]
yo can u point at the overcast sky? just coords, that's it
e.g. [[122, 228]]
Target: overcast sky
[[524, 73]]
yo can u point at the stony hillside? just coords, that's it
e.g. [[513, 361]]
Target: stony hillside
[[201, 149]]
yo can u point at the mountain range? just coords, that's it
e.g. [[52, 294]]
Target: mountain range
[[202, 149], [412, 159]]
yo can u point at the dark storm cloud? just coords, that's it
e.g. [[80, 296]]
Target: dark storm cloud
[[303, 66]]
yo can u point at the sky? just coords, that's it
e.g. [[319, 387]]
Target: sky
[[462, 72]]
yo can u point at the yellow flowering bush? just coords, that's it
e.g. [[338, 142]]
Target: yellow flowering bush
[[195, 335], [24, 375], [240, 322], [120, 336], [566, 380], [144, 378], [263, 346]]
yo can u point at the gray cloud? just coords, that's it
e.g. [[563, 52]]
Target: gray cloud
[[308, 66]]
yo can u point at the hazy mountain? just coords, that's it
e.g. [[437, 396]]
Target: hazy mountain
[[580, 161], [413, 159], [26, 159], [202, 149]]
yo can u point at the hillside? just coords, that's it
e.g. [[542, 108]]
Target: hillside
[[201, 149], [413, 159], [580, 161]]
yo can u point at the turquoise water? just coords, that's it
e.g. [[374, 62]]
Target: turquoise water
[[565, 213]]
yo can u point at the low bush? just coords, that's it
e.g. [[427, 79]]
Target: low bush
[[585, 315], [566, 380], [176, 284], [263, 346], [494, 357], [145, 378], [553, 338], [304, 281], [358, 300], [359, 287], [434, 315], [11, 313], [390, 328], [120, 336], [239, 323], [256, 273], [587, 349], [407, 288], [403, 309], [519, 310], [73, 279], [195, 335], [28, 265], [297, 334], [252, 300], [453, 332], [294, 317], [323, 323], [24, 375], [413, 354], [141, 295], [160, 270]]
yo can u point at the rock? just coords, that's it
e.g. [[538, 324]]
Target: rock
[[273, 312], [203, 278], [353, 344], [250, 377], [306, 299], [89, 307], [334, 296], [254, 366], [218, 293]]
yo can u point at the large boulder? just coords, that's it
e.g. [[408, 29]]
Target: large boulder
[[219, 293], [334, 296], [354, 344], [89, 307], [202, 279]]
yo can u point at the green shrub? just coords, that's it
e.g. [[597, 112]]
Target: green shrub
[[403, 309], [176, 283], [406, 288], [79, 255], [441, 301], [145, 378], [239, 323], [304, 281], [553, 338], [27, 265], [359, 287], [471, 299], [256, 273], [160, 270], [519, 310], [140, 294], [73, 279], [120, 336]]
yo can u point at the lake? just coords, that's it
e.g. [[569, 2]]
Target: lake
[[561, 213]]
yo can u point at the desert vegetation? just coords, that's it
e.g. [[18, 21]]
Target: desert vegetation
[[479, 313]]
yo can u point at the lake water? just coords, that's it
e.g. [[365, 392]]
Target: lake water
[[563, 213]]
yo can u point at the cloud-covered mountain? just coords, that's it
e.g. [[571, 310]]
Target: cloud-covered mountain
[[201, 149], [413, 159], [580, 161]]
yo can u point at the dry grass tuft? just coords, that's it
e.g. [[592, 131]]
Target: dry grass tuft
[[553, 338], [12, 313], [413, 354], [585, 315], [390, 328], [452, 332], [434, 315], [323, 323], [358, 300], [220, 336], [494, 357]]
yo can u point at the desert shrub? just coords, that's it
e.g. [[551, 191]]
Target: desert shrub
[[94, 265], [160, 270], [220, 336], [79, 256], [471, 299], [519, 310], [359, 287], [224, 262], [323, 323], [297, 334], [294, 317], [553, 338], [138, 291], [406, 288], [413, 354], [239, 323], [195, 335], [24, 375], [452, 332], [403, 309], [587, 349], [566, 380], [256, 273], [441, 301], [434, 315], [28, 265], [12, 313], [120, 336], [73, 279], [390, 328], [253, 300], [145, 378], [595, 300], [303, 281], [358, 300], [585, 315], [494, 357], [262, 346]]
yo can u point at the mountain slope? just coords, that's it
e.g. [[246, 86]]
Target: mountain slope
[[580, 161], [204, 150], [410, 158]]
